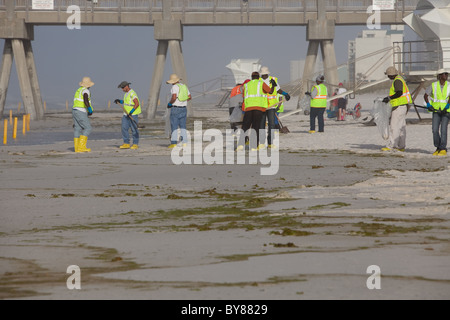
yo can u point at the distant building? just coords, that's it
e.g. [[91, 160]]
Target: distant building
[[369, 56]]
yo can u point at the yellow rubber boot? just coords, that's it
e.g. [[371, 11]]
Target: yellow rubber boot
[[76, 142], [82, 145]]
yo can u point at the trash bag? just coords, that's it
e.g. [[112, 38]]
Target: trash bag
[[381, 113], [237, 115], [304, 104]]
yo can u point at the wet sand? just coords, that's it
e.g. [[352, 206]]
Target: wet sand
[[140, 227]]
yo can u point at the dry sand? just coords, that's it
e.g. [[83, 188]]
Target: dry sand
[[140, 227]]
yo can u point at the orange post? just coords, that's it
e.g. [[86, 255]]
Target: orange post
[[28, 122], [5, 131], [15, 128], [18, 109], [10, 117], [45, 106], [67, 105]]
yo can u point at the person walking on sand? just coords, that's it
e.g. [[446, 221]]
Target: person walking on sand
[[255, 104], [132, 109], [437, 98], [318, 104], [272, 100], [81, 110], [399, 98], [342, 102], [180, 96]]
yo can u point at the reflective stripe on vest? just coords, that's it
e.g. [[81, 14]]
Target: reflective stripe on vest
[[406, 96], [128, 102], [183, 94], [78, 100], [439, 98], [254, 94], [320, 100], [272, 98]]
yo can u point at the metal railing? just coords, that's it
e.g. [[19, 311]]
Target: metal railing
[[216, 5], [420, 56]]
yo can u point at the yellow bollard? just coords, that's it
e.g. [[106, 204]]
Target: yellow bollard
[[24, 124], [5, 131], [109, 104], [15, 128], [10, 117], [18, 109], [28, 122]]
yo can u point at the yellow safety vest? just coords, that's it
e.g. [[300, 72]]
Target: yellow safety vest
[[439, 99], [254, 95], [281, 107], [406, 96], [320, 100], [272, 98], [78, 100], [128, 102]]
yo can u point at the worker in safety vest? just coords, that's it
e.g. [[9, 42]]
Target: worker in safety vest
[[236, 102], [82, 108], [180, 96], [399, 98], [318, 104], [272, 100], [437, 98], [255, 104], [132, 109]]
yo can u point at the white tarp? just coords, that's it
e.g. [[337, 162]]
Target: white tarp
[[242, 68]]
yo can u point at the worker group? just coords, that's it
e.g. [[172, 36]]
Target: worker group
[[260, 100]]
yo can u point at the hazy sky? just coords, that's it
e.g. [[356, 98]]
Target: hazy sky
[[110, 55]]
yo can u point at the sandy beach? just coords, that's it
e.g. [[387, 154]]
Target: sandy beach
[[140, 227]]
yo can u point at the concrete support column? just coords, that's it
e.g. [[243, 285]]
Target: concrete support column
[[330, 65], [308, 70], [169, 34], [24, 77], [157, 79], [36, 91], [5, 73]]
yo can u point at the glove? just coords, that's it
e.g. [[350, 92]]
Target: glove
[[131, 111], [429, 106], [90, 111], [447, 106], [274, 84], [288, 97], [169, 105], [308, 93], [118, 101], [386, 100]]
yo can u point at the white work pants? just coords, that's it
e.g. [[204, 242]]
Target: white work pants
[[397, 128]]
